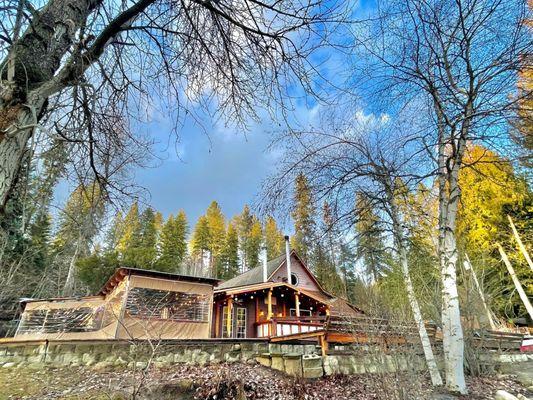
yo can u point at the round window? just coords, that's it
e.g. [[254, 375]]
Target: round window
[[294, 279]]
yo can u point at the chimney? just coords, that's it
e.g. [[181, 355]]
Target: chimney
[[265, 262], [288, 258]]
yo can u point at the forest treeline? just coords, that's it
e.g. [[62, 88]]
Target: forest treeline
[[76, 251]]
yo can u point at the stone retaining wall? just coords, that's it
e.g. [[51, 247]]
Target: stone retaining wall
[[300, 360]]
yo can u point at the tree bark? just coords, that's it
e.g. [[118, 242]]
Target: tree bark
[[434, 372], [449, 196], [68, 289]]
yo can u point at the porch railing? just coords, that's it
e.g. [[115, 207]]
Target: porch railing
[[283, 326]]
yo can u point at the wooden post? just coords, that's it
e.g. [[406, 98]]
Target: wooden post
[[520, 244], [323, 345], [256, 308], [516, 282], [230, 314], [269, 305], [217, 320], [297, 300]]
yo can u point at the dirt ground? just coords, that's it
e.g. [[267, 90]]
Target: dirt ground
[[226, 381]]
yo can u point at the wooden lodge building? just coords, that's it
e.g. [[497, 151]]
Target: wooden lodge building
[[262, 303], [280, 298]]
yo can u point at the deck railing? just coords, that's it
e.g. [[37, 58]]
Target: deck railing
[[283, 326]]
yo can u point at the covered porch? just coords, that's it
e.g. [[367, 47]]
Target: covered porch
[[270, 309]]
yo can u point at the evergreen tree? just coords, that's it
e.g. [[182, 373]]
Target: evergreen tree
[[95, 270], [324, 255], [274, 241], [254, 244], [303, 216], [370, 241], [115, 232], [230, 254], [173, 243], [40, 239], [201, 241], [131, 233], [79, 224], [245, 222], [217, 232], [140, 242]]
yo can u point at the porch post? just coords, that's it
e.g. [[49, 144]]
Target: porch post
[[269, 311], [230, 315], [297, 301]]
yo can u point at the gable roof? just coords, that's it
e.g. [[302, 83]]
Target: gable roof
[[254, 275]]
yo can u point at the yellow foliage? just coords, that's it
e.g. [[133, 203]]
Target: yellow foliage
[[488, 183]]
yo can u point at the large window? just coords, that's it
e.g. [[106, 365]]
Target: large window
[[59, 320], [162, 304]]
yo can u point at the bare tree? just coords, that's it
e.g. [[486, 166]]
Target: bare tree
[[85, 71], [369, 156], [459, 59]]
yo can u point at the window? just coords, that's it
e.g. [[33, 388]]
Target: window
[[59, 320], [241, 322], [294, 279], [306, 313], [177, 306]]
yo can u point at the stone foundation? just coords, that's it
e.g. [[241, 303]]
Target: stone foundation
[[299, 360]]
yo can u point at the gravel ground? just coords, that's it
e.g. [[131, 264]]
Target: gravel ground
[[227, 381]]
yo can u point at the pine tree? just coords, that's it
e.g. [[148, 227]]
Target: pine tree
[[370, 244], [79, 224], [173, 243], [217, 232], [303, 216], [201, 241], [244, 222], [131, 234], [115, 232], [254, 244], [95, 269], [230, 254], [274, 240], [40, 239]]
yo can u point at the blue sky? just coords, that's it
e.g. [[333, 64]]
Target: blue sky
[[227, 165]]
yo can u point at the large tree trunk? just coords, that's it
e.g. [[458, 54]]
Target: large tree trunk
[[434, 373], [18, 123], [449, 196], [68, 289]]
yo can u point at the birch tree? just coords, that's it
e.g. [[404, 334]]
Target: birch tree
[[344, 158], [459, 61], [83, 70]]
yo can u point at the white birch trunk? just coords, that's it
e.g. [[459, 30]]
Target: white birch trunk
[[68, 289], [468, 266], [434, 372], [516, 281], [449, 196], [520, 244], [453, 341]]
